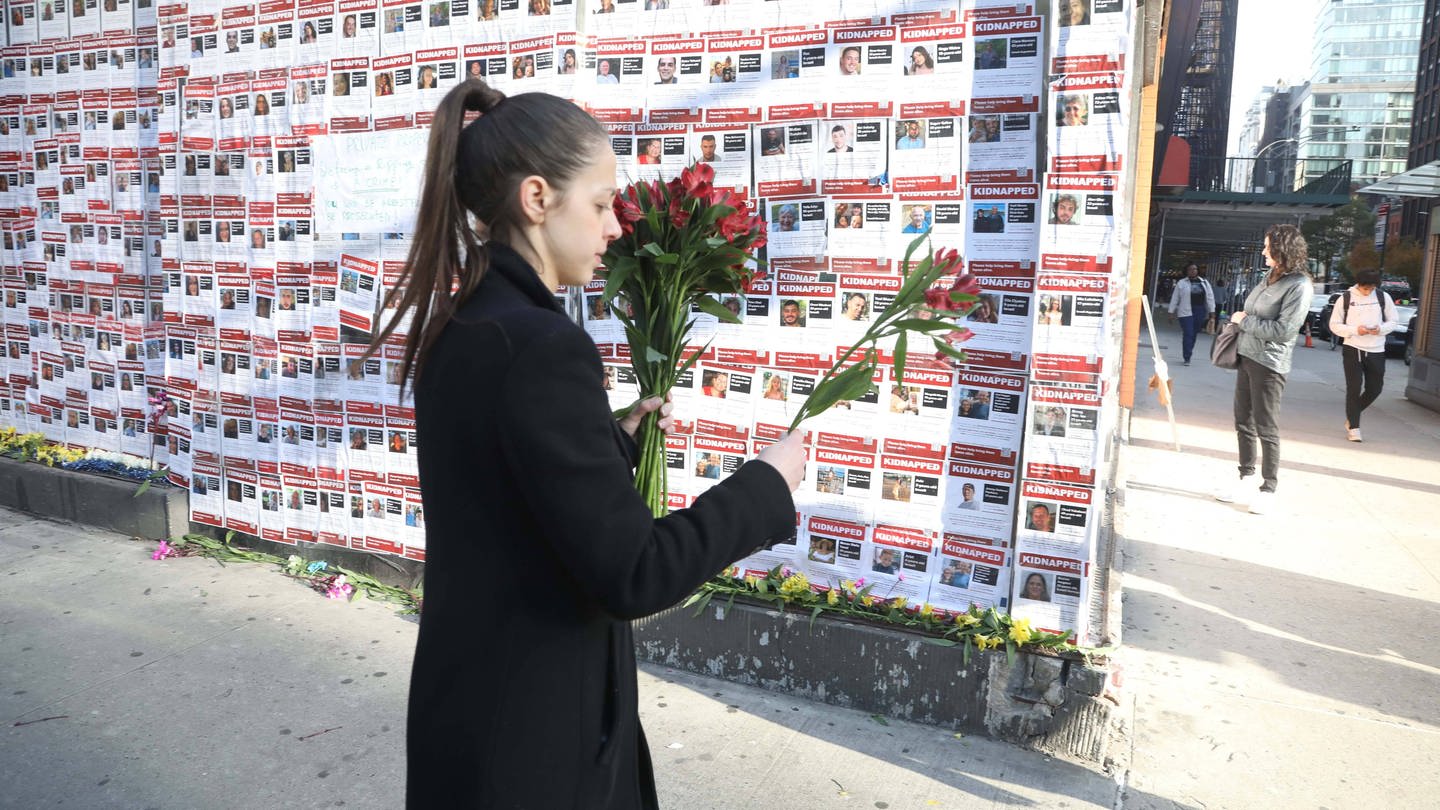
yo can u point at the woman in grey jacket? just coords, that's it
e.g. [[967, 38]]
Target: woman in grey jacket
[[1269, 324]]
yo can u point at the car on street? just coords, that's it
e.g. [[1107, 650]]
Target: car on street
[[1317, 320], [1396, 342]]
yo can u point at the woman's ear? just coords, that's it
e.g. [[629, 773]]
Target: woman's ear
[[535, 198]]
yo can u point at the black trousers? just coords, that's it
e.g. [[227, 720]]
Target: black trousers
[[1257, 416], [1365, 369]]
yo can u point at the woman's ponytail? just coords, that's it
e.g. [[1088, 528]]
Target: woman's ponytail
[[447, 259]]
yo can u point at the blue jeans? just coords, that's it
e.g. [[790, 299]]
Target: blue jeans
[[1188, 326]]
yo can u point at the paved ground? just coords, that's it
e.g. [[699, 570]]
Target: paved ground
[[1285, 660], [1277, 661], [126, 682]]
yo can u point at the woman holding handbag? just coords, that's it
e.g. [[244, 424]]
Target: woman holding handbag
[[1269, 323]]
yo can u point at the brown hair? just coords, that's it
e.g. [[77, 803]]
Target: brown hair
[[473, 168], [1288, 249]]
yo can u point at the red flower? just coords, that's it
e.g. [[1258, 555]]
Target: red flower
[[696, 180], [679, 214], [959, 335], [943, 299]]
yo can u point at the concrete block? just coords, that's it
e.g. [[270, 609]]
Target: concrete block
[[1084, 679], [92, 500], [859, 666]]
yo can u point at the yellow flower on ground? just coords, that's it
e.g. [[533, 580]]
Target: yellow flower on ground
[[898, 603], [985, 642], [927, 610], [1020, 631], [832, 597], [848, 585], [966, 620], [867, 600], [752, 580]]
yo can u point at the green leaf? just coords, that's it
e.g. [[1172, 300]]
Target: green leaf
[[1010, 652], [948, 350], [144, 487], [711, 306], [704, 602], [922, 325], [667, 258], [902, 344], [966, 652], [877, 718], [852, 383], [939, 642], [913, 246], [814, 613]]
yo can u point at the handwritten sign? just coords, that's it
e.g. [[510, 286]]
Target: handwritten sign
[[368, 182]]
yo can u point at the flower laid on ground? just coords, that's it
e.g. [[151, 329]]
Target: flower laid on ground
[[339, 589], [682, 244], [343, 584], [974, 629], [162, 551]]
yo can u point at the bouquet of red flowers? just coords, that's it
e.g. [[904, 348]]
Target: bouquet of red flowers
[[681, 244]]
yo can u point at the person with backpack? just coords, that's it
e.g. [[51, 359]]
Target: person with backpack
[[1362, 317], [1193, 302]]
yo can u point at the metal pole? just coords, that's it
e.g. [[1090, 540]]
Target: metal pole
[[1159, 250]]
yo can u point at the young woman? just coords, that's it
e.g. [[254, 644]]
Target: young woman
[[524, 690], [1269, 324]]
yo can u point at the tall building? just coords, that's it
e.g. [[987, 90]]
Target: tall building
[[1425, 127], [1362, 88], [1202, 116], [1278, 138]]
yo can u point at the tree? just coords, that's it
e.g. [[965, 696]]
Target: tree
[[1363, 256], [1334, 235], [1403, 256]]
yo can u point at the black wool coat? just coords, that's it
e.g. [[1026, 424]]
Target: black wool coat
[[539, 552]]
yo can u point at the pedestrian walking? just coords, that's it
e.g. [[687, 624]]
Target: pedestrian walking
[[1192, 302], [1269, 323], [1363, 316], [539, 550]]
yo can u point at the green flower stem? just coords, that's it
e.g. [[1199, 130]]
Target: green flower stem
[[651, 474]]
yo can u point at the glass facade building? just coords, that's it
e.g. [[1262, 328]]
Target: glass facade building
[[1362, 87]]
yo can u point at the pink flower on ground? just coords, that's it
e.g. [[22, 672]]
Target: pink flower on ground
[[162, 551], [339, 589]]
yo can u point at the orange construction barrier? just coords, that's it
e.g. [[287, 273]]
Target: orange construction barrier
[[1309, 342]]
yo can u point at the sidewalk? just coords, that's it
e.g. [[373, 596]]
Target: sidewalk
[[127, 682], [1285, 660]]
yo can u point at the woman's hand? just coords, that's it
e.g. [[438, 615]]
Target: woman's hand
[[1237, 317], [787, 456], [631, 422]]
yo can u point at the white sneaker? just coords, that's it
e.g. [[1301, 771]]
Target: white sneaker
[[1353, 434], [1261, 502], [1239, 492]]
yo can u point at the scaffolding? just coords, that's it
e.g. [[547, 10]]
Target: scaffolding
[[1202, 116]]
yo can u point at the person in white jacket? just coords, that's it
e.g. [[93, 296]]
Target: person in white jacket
[[1192, 302], [1363, 321]]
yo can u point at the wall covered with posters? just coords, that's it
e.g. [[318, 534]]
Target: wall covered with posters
[[213, 200]]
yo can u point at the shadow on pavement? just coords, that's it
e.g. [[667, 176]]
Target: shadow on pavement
[[1307, 632]]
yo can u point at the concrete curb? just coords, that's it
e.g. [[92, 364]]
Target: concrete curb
[[92, 500], [1050, 704]]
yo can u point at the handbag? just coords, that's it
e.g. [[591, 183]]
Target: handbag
[[1225, 351]]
